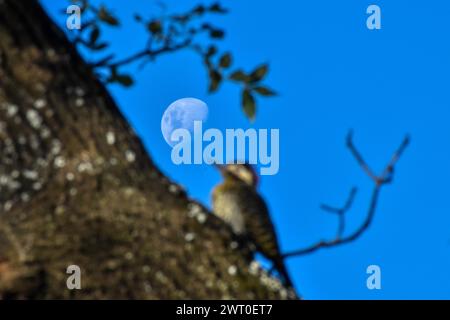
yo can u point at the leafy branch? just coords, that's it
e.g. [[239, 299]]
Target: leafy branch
[[386, 177], [169, 33]]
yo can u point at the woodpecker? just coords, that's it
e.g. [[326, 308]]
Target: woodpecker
[[238, 203]]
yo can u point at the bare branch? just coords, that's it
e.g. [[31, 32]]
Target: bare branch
[[345, 208], [379, 181], [341, 211], [150, 53], [358, 157]]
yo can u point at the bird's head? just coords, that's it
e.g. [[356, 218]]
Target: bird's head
[[242, 172]]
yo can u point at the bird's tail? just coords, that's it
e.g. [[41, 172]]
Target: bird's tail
[[284, 274]]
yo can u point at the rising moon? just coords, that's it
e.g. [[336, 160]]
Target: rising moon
[[182, 114]]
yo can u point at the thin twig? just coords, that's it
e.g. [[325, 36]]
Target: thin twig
[[358, 157], [379, 181], [150, 53], [346, 207], [341, 211]]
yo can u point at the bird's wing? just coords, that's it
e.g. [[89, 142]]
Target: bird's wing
[[226, 206], [258, 224]]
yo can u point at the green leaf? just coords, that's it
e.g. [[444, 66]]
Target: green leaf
[[217, 8], [124, 80], [216, 34], [264, 91], [259, 73], [94, 35], [154, 27], [113, 72], [212, 50], [199, 10], [215, 79], [105, 16], [225, 60], [208, 62], [249, 105], [206, 26], [240, 76]]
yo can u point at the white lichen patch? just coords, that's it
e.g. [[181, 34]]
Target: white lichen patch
[[4, 180], [161, 277], [110, 138], [37, 186], [189, 236], [147, 287], [9, 183], [85, 166], [25, 197], [30, 174], [193, 210], [129, 255], [41, 162], [232, 270], [45, 133], [11, 110], [173, 188], [146, 269], [99, 161], [234, 245], [34, 118], [201, 217], [40, 103], [254, 267], [60, 162], [130, 156], [59, 210], [73, 191], [79, 92], [51, 53], [113, 161], [79, 102], [271, 282], [22, 140], [56, 147], [34, 142], [7, 206]]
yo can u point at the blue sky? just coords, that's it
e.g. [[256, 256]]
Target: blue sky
[[332, 74]]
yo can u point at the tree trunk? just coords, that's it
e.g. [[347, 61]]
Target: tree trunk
[[78, 188]]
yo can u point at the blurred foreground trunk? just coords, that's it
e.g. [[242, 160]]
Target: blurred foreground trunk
[[78, 188]]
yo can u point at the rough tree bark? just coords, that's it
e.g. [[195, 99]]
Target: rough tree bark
[[77, 187]]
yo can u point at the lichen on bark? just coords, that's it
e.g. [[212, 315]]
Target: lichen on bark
[[78, 187]]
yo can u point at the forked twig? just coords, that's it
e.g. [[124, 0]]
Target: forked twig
[[384, 178], [341, 211]]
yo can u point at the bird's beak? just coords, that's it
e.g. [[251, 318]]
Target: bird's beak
[[219, 167]]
